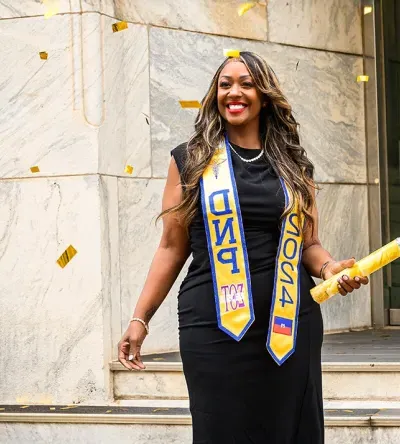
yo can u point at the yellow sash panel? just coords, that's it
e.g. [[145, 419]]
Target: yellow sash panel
[[230, 266], [282, 331], [226, 245]]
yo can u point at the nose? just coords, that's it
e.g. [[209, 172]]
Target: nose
[[235, 90]]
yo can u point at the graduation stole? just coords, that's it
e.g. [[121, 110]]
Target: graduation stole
[[230, 266]]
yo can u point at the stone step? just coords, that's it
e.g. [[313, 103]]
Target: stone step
[[126, 424], [164, 379]]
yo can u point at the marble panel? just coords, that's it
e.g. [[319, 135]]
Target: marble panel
[[12, 433], [43, 121], [51, 329], [321, 87], [26, 8], [371, 119], [124, 136], [206, 16], [333, 25], [139, 204], [343, 231], [353, 435]]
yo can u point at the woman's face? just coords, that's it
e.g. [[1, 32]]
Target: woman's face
[[239, 102]]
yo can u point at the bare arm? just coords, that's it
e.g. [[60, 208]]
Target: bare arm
[[170, 255], [167, 262]]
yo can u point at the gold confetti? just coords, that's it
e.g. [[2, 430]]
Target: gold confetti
[[24, 406], [190, 103], [52, 7], [367, 10], [244, 7], [108, 411], [43, 55], [362, 78], [129, 169], [160, 409], [2, 408], [52, 408], [69, 407], [35, 169], [348, 411], [232, 53], [158, 359], [68, 254], [119, 26]]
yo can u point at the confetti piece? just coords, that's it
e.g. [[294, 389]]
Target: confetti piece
[[190, 103], [52, 7], [160, 409], [297, 64], [232, 53], [348, 411], [244, 7], [362, 78], [147, 118], [43, 55], [24, 406], [158, 359], [108, 411], [35, 169], [69, 407], [129, 169], [68, 254], [52, 408], [2, 409], [119, 26], [367, 10]]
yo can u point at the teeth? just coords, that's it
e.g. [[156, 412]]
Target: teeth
[[236, 106]]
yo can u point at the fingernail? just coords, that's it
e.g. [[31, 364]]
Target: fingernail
[[357, 279], [345, 278], [130, 358]]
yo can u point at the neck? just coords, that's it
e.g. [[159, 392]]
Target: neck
[[246, 136]]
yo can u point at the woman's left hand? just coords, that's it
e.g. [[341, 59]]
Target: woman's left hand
[[345, 283]]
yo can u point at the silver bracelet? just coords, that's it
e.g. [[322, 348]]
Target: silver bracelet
[[142, 322], [321, 273]]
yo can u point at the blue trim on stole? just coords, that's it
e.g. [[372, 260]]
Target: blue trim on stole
[[275, 358], [243, 240]]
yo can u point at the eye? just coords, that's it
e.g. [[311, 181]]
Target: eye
[[248, 84], [224, 84]]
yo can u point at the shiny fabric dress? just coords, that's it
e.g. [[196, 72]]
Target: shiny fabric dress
[[238, 394]]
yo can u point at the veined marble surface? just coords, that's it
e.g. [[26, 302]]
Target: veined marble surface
[[334, 25], [139, 204], [321, 87], [51, 329], [79, 111], [26, 8], [343, 231]]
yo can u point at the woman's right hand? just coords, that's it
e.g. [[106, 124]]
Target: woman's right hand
[[129, 346]]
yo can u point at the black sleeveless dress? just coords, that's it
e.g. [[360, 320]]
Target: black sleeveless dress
[[238, 394]]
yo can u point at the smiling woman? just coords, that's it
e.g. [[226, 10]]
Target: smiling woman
[[240, 198]]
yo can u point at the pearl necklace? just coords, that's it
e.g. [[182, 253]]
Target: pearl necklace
[[246, 160]]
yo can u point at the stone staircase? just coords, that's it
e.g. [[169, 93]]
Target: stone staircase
[[361, 378]]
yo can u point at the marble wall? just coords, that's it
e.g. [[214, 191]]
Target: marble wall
[[105, 100]]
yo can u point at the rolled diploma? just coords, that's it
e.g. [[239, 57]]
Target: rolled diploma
[[363, 267]]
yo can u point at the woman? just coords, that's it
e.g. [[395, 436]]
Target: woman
[[240, 197]]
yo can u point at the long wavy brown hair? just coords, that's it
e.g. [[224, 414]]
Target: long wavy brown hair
[[279, 140]]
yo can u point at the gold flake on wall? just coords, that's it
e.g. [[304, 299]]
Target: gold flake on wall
[[129, 169], [35, 169], [367, 10], [362, 78], [190, 103], [68, 254], [244, 7], [43, 55], [119, 26], [52, 7]]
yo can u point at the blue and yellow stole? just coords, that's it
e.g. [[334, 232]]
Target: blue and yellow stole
[[230, 266]]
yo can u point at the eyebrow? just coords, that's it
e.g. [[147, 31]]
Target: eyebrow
[[241, 77]]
